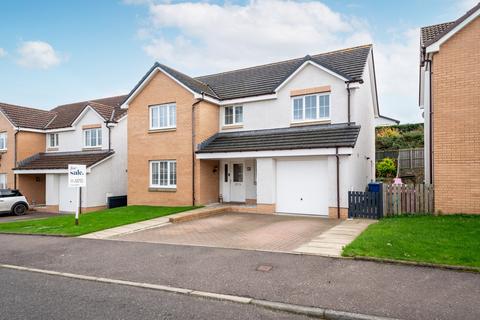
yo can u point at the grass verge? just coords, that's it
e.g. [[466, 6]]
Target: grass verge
[[450, 240], [64, 225]]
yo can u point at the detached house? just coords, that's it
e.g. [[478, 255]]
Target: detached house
[[40, 144], [450, 99], [290, 137]]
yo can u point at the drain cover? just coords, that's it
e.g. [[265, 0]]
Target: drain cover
[[264, 268]]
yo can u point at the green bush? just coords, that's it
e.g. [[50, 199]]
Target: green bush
[[386, 168], [399, 137]]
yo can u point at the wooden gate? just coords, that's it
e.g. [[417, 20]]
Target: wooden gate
[[367, 205]]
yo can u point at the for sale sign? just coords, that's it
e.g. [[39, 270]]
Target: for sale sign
[[77, 175]]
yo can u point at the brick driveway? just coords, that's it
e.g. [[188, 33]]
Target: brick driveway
[[239, 230]]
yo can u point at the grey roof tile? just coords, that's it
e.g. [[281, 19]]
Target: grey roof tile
[[61, 160], [305, 137]]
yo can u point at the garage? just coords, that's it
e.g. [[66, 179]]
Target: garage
[[302, 186]]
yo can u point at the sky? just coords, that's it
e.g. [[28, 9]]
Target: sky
[[55, 52]]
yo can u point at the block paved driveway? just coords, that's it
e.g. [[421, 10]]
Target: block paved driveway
[[238, 230]]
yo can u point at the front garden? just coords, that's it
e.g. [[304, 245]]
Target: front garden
[[447, 239], [64, 225]]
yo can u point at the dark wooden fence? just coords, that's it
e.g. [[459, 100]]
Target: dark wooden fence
[[366, 205]]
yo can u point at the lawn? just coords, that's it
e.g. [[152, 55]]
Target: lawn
[[89, 222], [451, 240]]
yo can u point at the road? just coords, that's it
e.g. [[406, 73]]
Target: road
[[398, 291], [26, 295]]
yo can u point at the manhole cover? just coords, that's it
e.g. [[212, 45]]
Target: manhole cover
[[264, 268]]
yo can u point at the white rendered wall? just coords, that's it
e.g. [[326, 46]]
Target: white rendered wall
[[51, 189], [73, 140], [266, 180], [277, 113]]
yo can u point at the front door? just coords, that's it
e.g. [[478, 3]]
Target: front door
[[233, 181]]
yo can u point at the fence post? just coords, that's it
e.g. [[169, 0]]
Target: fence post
[[380, 202]]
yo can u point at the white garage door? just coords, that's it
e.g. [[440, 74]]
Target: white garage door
[[302, 186]]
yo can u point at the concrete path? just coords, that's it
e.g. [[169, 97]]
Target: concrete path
[[129, 228], [331, 242], [398, 291]]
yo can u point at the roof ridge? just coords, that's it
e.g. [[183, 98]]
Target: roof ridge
[[24, 107], [89, 100], [283, 61]]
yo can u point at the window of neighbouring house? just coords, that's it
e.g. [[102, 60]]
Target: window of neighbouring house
[[92, 137], [163, 174], [311, 107], [3, 141], [53, 140], [233, 115], [3, 181], [163, 116]]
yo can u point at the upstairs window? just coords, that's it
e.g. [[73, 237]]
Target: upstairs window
[[3, 141], [233, 115], [311, 107], [93, 137], [163, 116], [53, 140]]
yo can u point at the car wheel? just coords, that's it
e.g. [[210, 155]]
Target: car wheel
[[19, 209]]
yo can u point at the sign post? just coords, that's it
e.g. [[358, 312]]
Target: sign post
[[77, 178]]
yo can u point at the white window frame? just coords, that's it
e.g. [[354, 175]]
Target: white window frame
[[98, 141], [171, 121], [170, 164], [3, 136], [234, 118], [55, 139], [317, 97], [3, 184]]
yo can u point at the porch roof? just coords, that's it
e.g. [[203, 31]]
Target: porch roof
[[61, 160], [305, 137]]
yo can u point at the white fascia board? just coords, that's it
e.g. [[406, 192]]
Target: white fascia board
[[31, 130], [84, 111], [302, 67], [122, 118], [276, 153], [435, 47], [60, 130], [20, 171], [147, 80], [249, 99], [206, 98]]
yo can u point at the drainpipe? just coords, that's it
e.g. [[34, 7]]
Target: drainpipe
[[15, 156], [107, 124], [430, 116], [197, 101], [338, 182], [348, 82]]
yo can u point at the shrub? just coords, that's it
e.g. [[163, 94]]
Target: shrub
[[386, 168], [388, 132]]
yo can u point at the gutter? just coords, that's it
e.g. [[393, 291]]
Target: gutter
[[197, 101]]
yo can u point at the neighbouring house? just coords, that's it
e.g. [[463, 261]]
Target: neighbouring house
[[289, 137], [450, 99], [382, 121], [39, 145]]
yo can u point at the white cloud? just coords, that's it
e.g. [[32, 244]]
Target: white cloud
[[3, 53], [38, 55], [200, 38]]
